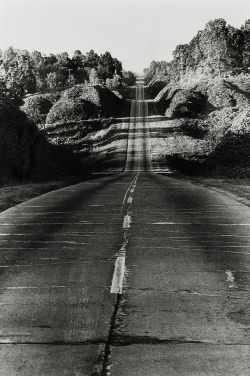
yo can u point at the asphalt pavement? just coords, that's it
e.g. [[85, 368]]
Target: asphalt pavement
[[132, 274]]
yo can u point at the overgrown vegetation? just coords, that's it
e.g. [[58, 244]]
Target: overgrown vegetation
[[193, 128], [186, 103], [206, 101], [80, 102], [37, 107], [24, 72], [213, 125], [38, 92], [159, 70], [219, 49], [105, 101], [24, 151], [206, 97]]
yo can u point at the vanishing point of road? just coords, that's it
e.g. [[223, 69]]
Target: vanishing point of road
[[134, 274]]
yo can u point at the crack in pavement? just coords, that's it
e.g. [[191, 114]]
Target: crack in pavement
[[107, 351], [118, 340], [57, 343]]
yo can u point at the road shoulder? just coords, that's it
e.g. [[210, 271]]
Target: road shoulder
[[236, 189], [14, 194]]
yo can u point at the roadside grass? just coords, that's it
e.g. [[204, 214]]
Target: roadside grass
[[14, 194], [237, 189]]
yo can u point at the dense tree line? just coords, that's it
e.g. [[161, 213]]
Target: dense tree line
[[217, 50], [157, 69], [24, 72]]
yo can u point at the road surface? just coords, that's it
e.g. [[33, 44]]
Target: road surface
[[134, 274]]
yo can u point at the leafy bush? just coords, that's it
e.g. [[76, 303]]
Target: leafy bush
[[194, 129], [7, 109], [17, 136], [234, 147], [36, 107], [74, 92], [71, 110], [106, 102], [186, 103], [187, 166]]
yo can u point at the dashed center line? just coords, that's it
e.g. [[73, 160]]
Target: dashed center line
[[130, 200], [130, 190], [127, 221], [231, 279], [119, 271], [117, 282]]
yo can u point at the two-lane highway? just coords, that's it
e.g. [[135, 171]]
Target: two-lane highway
[[138, 150], [135, 274]]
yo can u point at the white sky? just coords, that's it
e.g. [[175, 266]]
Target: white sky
[[134, 31]]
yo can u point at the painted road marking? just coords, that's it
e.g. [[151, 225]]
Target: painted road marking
[[130, 190], [118, 276], [231, 279], [130, 199], [127, 221]]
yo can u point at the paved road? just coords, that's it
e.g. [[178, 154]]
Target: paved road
[[135, 274]]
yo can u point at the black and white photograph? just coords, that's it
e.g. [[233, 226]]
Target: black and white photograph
[[124, 188]]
